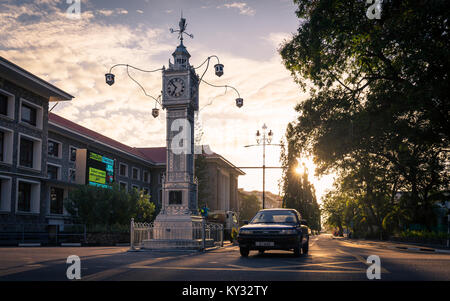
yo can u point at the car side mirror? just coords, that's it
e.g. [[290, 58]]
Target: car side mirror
[[303, 222], [245, 222]]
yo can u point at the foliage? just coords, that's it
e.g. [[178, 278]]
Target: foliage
[[98, 206], [378, 110], [248, 206], [298, 193], [201, 173]]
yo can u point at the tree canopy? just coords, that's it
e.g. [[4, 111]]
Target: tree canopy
[[378, 108]]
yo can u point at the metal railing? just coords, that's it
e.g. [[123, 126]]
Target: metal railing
[[42, 233], [202, 234]]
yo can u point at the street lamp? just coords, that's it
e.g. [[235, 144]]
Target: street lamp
[[263, 139], [110, 77]]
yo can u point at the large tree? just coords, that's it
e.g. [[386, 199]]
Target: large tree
[[379, 98], [297, 192]]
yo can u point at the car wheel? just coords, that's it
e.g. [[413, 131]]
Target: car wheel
[[305, 248], [244, 252]]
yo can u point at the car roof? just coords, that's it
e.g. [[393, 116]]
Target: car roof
[[278, 209]]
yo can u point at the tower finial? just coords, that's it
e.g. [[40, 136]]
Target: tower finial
[[182, 24]]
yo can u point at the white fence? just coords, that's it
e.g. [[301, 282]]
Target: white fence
[[206, 234]]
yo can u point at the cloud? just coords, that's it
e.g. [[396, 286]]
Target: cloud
[[75, 54], [243, 8], [109, 12]]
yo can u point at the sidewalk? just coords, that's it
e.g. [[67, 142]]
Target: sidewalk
[[396, 245]]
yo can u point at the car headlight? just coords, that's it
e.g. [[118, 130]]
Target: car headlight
[[288, 231], [243, 231]]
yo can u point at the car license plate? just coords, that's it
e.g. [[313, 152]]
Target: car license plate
[[264, 243]]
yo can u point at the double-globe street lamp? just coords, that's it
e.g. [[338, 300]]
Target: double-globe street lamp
[[263, 139]]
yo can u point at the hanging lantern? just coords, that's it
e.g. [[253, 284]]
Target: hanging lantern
[[239, 102], [109, 78], [219, 69], [155, 112]]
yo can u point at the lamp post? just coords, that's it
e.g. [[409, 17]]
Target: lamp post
[[263, 139]]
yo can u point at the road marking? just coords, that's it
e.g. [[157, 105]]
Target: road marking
[[246, 269], [361, 259], [115, 271], [21, 269]]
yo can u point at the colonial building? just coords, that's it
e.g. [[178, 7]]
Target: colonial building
[[24, 102], [222, 179]]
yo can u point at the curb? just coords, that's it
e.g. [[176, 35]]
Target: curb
[[29, 244], [429, 250], [68, 244], [421, 249]]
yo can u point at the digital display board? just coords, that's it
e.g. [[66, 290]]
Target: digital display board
[[99, 170]]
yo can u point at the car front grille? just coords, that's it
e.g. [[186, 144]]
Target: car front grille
[[266, 232]]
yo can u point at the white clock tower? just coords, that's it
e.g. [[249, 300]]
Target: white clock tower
[[179, 213]]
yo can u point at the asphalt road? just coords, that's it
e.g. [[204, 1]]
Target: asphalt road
[[328, 259]]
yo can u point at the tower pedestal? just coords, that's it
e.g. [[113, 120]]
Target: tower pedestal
[[176, 231]]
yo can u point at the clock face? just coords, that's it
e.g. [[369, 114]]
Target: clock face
[[175, 87]]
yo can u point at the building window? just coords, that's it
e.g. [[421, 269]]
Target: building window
[[29, 114], [53, 172], [30, 152], [135, 187], [6, 145], [26, 152], [56, 200], [54, 148], [24, 201], [135, 173], [146, 177], [123, 170], [123, 186], [3, 104], [5, 194], [28, 196], [73, 154], [7, 104], [2, 146]]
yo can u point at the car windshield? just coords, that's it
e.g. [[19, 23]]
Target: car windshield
[[274, 217]]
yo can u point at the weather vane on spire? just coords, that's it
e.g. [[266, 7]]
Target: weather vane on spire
[[181, 31]]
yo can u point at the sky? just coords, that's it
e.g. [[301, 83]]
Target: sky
[[74, 52]]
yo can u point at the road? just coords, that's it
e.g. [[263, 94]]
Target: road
[[328, 259]]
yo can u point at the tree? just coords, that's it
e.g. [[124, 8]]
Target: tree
[[201, 173], [298, 193], [248, 206], [99, 206], [379, 99]]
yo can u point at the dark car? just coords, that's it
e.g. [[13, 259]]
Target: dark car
[[275, 229]]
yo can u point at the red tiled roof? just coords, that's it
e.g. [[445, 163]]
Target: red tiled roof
[[58, 120], [155, 154]]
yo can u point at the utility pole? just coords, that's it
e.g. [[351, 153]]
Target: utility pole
[[266, 139]]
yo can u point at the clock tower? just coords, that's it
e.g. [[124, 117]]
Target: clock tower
[[180, 100], [179, 212]]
